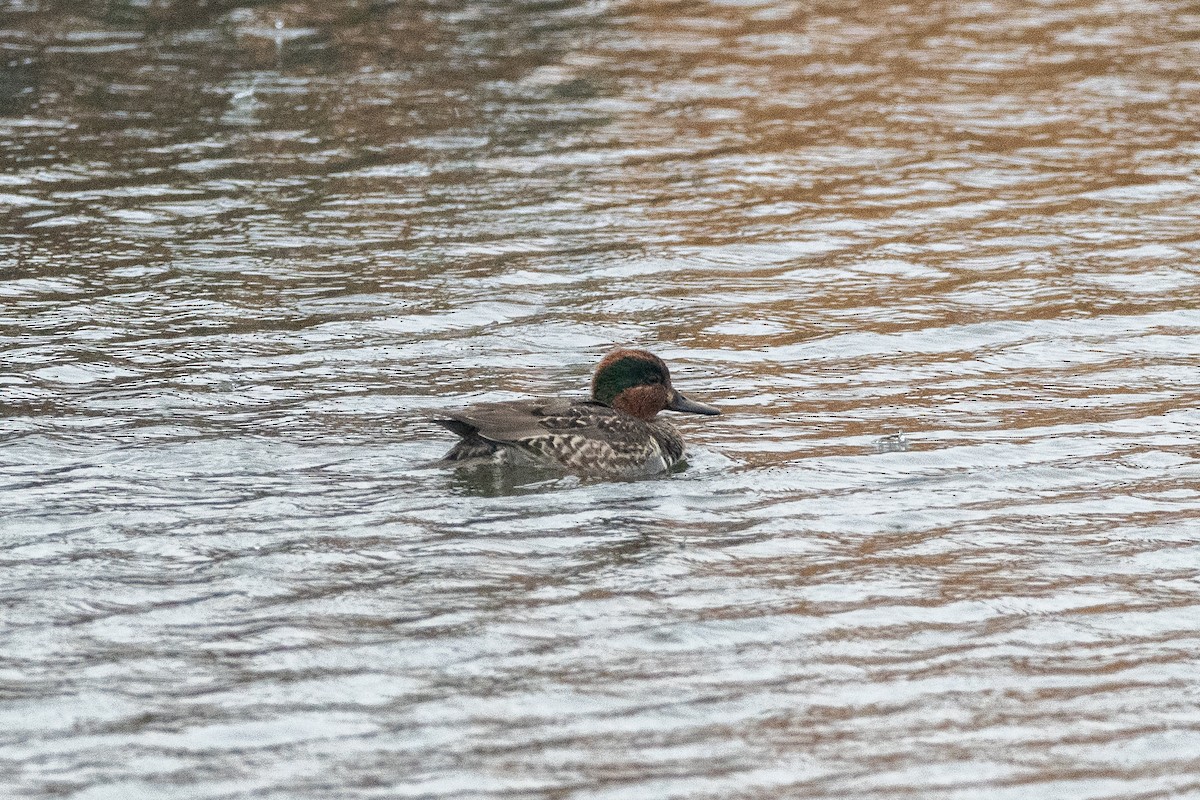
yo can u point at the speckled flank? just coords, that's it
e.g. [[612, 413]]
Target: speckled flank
[[584, 438], [626, 456]]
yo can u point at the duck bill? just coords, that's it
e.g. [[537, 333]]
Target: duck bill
[[682, 404]]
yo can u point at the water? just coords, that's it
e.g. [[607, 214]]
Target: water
[[936, 262]]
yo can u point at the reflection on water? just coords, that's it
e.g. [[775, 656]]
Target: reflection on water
[[935, 262]]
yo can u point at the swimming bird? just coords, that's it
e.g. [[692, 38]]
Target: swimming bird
[[615, 434]]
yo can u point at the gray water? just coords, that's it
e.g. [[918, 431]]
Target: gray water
[[247, 249]]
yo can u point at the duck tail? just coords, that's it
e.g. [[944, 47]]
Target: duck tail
[[457, 426], [471, 445]]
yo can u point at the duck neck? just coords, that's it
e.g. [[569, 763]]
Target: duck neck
[[643, 402]]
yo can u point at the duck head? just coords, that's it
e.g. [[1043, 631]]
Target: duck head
[[639, 384]]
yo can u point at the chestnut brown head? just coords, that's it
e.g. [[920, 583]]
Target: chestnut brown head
[[639, 384]]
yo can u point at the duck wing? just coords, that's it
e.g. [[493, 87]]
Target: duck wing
[[521, 420]]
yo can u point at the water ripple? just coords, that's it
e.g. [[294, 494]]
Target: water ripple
[[933, 263]]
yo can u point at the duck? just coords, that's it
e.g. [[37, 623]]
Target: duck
[[616, 433]]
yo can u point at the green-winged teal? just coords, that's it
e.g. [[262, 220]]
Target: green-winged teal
[[614, 434]]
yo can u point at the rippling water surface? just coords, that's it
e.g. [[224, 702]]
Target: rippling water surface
[[247, 248]]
